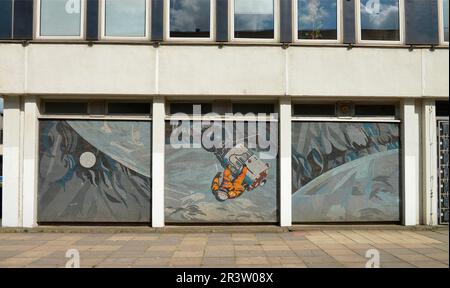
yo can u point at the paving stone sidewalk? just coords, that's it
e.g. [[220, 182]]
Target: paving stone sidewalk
[[334, 248]]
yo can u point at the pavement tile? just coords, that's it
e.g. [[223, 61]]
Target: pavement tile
[[335, 252], [396, 265], [317, 259], [414, 257], [185, 262], [285, 260], [428, 264], [252, 261], [349, 258], [302, 265], [310, 253], [276, 248], [443, 257], [17, 262], [217, 253], [105, 248], [162, 248], [219, 262], [164, 254], [324, 265], [151, 262], [250, 253], [90, 262], [280, 253], [188, 254]]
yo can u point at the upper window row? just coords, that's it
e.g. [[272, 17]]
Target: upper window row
[[314, 20]]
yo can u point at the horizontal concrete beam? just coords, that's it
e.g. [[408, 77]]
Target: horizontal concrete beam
[[181, 70]]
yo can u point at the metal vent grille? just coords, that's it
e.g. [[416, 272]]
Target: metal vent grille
[[443, 171]]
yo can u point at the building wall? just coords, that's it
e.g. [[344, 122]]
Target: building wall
[[286, 76]]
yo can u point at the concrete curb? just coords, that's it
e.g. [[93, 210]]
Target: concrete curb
[[213, 229]]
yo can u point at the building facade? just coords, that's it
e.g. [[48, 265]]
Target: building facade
[[167, 112]]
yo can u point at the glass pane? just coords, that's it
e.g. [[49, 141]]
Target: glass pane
[[446, 20], [94, 171], [125, 18], [66, 107], [190, 18], [380, 20], [315, 110], [254, 19], [60, 18], [129, 108], [253, 108], [317, 19], [345, 172], [188, 108], [374, 110], [225, 172], [5, 19]]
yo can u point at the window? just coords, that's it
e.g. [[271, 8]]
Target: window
[[444, 20], [318, 20], [254, 19], [442, 109], [125, 19], [190, 19], [66, 108], [325, 110], [60, 18], [375, 110], [351, 165], [6, 9], [188, 108], [253, 108], [380, 20], [129, 108]]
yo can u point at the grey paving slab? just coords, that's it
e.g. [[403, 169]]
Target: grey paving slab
[[299, 249]]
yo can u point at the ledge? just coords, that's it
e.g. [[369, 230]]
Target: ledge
[[220, 44], [213, 229]]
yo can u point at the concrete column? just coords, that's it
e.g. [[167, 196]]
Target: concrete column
[[30, 161], [411, 161], [430, 163], [285, 162], [158, 143], [11, 162]]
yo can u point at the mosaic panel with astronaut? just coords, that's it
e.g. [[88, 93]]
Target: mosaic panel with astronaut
[[346, 172], [237, 184], [94, 171]]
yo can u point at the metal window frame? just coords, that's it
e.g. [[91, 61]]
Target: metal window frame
[[222, 117], [382, 119], [441, 20], [439, 120], [125, 117]]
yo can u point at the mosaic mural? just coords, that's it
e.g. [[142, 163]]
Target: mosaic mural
[[231, 184], [94, 171], [346, 172]]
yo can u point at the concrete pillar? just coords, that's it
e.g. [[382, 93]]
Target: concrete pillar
[[410, 114], [430, 163], [158, 143], [11, 216], [30, 161], [285, 162]]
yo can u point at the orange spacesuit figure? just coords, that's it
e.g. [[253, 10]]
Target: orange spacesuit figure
[[229, 188]]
